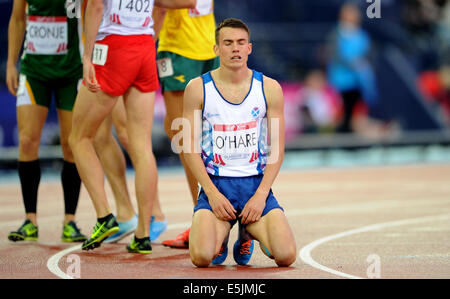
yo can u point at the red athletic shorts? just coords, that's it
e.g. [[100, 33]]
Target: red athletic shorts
[[131, 61]]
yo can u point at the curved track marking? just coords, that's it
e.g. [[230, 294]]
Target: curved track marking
[[53, 261], [305, 252]]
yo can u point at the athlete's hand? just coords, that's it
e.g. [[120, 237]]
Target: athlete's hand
[[253, 208], [12, 79], [221, 206], [89, 76]]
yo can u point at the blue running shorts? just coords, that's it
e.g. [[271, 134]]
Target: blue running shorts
[[238, 190]]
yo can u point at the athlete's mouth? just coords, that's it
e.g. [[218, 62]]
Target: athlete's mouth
[[237, 57]]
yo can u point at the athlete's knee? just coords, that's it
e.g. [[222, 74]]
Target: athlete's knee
[[28, 144], [286, 257], [200, 259], [102, 138], [141, 155], [72, 140]]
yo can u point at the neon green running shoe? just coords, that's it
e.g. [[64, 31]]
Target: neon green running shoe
[[27, 232], [71, 233], [140, 247], [101, 232]]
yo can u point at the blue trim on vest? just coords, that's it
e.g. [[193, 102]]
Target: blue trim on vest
[[206, 77], [262, 87], [258, 76]]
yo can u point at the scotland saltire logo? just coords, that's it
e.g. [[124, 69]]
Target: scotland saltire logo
[[255, 112]]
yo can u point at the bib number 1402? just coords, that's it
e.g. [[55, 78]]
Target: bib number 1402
[[136, 5]]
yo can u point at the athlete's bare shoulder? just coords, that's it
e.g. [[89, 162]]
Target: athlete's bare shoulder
[[193, 93], [195, 85], [273, 92], [270, 83]]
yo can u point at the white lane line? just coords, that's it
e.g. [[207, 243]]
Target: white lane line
[[305, 252], [53, 261]]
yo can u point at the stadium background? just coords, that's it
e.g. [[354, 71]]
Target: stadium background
[[409, 55], [398, 209]]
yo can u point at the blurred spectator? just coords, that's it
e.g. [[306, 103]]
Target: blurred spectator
[[427, 22], [321, 106], [435, 87], [444, 34], [429, 25], [349, 70]]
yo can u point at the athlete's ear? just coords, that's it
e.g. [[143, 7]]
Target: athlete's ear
[[216, 49], [250, 48]]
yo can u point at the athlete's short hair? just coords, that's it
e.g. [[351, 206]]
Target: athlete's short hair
[[233, 23]]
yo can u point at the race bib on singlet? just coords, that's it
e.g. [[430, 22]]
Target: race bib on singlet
[[46, 35], [131, 13], [235, 141], [203, 8]]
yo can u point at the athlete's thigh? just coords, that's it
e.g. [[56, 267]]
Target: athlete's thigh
[[139, 109], [119, 120], [90, 110], [174, 103], [207, 232], [274, 232]]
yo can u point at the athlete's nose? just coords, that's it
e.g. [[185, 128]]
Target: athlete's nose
[[235, 48]]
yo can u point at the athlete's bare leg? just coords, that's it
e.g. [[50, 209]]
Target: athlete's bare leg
[[30, 121], [174, 108], [274, 232], [114, 165], [206, 237], [139, 108], [89, 112], [119, 119]]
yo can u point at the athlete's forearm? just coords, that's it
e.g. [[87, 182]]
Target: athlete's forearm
[[195, 164], [16, 32], [270, 174], [176, 3], [158, 20], [93, 18]]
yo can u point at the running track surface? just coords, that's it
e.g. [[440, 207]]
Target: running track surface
[[347, 222]]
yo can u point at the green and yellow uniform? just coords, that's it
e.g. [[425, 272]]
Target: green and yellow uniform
[[51, 61], [185, 47]]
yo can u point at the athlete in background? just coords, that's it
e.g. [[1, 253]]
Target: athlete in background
[[119, 60], [50, 65], [185, 51]]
